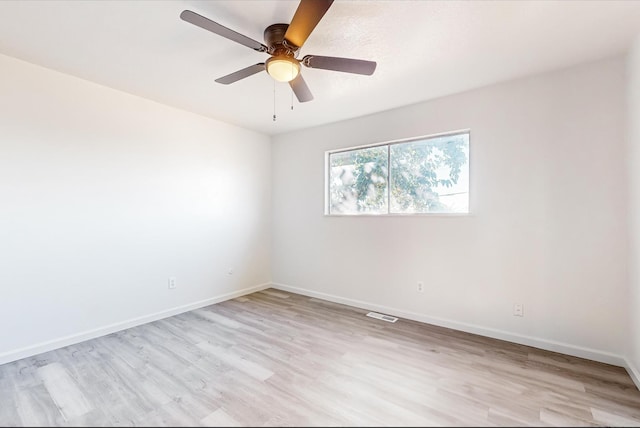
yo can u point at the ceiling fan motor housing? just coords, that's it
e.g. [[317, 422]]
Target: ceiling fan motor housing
[[274, 38]]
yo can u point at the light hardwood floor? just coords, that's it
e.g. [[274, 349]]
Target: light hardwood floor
[[280, 359]]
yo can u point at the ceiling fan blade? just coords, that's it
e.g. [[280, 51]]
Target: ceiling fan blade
[[347, 65], [300, 88], [214, 27], [241, 74], [307, 16]]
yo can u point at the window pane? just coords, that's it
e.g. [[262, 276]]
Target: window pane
[[358, 181], [431, 175]]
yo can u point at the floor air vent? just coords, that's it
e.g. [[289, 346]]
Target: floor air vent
[[382, 317]]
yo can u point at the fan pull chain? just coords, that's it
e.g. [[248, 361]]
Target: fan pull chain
[[292, 88], [274, 100]]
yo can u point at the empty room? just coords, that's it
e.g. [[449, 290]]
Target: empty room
[[319, 213]]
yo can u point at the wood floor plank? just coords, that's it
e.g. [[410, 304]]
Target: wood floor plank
[[219, 419], [35, 407], [611, 419], [64, 391], [242, 364], [275, 358]]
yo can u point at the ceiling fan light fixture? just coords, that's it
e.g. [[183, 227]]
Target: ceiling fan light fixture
[[283, 42], [283, 68]]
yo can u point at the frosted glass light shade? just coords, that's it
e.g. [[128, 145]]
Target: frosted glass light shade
[[283, 68]]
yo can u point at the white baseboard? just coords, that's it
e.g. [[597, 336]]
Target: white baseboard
[[536, 342], [549, 345], [633, 372], [61, 342]]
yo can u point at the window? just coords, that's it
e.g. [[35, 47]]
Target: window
[[420, 176]]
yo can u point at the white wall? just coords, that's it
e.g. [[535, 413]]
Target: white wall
[[548, 227], [104, 195], [633, 79]]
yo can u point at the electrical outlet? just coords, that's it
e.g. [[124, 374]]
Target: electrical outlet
[[518, 310], [420, 287], [172, 282]]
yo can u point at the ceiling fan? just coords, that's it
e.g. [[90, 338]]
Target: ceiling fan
[[283, 42]]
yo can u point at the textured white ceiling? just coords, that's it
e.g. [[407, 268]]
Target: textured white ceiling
[[424, 50]]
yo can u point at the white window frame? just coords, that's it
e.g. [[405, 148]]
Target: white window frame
[[327, 177]]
